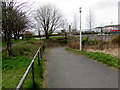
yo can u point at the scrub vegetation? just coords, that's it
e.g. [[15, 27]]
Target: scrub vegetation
[[15, 66]]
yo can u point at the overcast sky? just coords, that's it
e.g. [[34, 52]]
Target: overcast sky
[[105, 11]]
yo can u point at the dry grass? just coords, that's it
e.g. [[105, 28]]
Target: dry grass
[[74, 45], [112, 52], [56, 42], [109, 47]]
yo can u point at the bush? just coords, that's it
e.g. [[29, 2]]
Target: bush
[[84, 40], [24, 50], [74, 45], [63, 41], [115, 39], [92, 42], [16, 65]]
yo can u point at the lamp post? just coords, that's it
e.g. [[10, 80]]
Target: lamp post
[[80, 10]]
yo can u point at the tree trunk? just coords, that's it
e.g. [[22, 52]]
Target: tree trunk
[[15, 37], [39, 34], [18, 35], [47, 36], [22, 36], [65, 35], [5, 36], [9, 48]]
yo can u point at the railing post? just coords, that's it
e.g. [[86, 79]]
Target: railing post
[[33, 73], [38, 59], [43, 48], [41, 52]]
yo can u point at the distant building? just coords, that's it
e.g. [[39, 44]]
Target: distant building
[[27, 32], [99, 29], [108, 28]]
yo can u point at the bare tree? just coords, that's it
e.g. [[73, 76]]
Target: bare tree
[[90, 20], [38, 28], [49, 17], [13, 21]]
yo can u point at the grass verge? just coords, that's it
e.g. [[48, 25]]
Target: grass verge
[[101, 57], [3, 44], [15, 66], [60, 37]]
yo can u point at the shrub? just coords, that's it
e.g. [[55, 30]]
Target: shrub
[[85, 41], [24, 50], [92, 42], [74, 45], [63, 41], [85, 38], [115, 39]]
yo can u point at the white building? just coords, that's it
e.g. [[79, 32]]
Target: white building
[[98, 29], [107, 28]]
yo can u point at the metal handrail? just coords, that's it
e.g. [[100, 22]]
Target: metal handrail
[[24, 76], [41, 49]]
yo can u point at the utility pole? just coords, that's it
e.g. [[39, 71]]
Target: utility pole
[[80, 29]]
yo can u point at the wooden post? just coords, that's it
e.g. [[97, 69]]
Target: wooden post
[[38, 59], [41, 52], [43, 47], [33, 73]]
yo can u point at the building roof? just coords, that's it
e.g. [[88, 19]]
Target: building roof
[[27, 32], [99, 27], [108, 26], [112, 26]]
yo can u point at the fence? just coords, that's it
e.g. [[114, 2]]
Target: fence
[[31, 66]]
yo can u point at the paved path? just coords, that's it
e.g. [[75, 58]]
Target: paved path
[[13, 45], [68, 70]]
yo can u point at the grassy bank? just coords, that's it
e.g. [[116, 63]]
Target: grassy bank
[[3, 44], [15, 66], [101, 57], [60, 37]]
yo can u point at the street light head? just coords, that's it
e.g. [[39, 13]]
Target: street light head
[[80, 9]]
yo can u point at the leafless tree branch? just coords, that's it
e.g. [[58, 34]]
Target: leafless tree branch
[[49, 18]]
